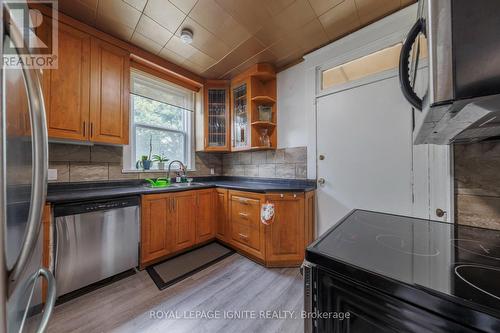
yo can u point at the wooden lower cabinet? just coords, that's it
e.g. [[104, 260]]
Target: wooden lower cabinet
[[156, 222], [175, 222], [183, 227], [247, 232], [205, 215], [285, 236], [221, 215]]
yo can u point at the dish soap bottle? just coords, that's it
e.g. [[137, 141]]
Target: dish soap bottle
[[178, 177]]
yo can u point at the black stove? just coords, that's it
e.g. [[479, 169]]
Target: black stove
[[428, 264]]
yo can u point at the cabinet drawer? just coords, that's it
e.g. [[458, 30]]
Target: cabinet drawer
[[244, 212], [246, 234]]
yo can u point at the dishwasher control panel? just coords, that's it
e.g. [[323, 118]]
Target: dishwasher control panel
[[92, 206]]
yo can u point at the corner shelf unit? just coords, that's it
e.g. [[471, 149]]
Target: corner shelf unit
[[254, 88]]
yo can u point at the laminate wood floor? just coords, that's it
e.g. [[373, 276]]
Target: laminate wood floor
[[230, 287]]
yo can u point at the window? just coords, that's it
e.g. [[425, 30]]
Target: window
[[370, 64], [161, 120]]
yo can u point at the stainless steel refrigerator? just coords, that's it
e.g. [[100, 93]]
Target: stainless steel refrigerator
[[23, 185]]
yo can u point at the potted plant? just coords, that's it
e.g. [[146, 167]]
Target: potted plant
[[161, 159], [145, 162]]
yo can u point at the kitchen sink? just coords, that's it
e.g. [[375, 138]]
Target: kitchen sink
[[185, 184]]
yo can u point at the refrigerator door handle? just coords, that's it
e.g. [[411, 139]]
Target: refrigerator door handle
[[40, 153], [50, 301]]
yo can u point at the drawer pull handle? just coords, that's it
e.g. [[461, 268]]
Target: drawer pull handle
[[244, 215], [243, 237], [243, 202]]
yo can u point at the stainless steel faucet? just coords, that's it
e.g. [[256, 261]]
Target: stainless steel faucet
[[183, 168]]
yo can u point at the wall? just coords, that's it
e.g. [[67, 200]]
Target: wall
[[292, 115], [77, 163], [477, 184], [290, 163]]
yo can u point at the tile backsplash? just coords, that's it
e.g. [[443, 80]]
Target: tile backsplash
[[477, 184], [78, 163], [288, 163]]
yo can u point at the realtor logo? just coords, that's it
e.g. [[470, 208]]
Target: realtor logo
[[31, 37]]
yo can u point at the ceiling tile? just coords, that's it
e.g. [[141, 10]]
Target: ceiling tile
[[216, 20], [243, 52], [189, 52], [137, 4], [277, 6], [295, 15], [154, 31], [184, 5], [264, 56], [114, 28], [251, 14], [284, 48], [146, 43], [321, 6], [270, 33], [370, 10], [340, 20], [204, 40], [118, 11], [165, 14], [172, 56], [311, 36], [85, 11]]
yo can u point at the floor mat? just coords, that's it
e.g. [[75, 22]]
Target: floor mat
[[173, 270]]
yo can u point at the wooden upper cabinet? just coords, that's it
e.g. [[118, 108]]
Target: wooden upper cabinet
[[285, 236], [110, 93], [67, 88], [183, 220], [221, 214], [87, 96], [217, 134], [253, 107], [205, 212]]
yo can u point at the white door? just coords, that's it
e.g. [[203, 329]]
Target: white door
[[365, 136]]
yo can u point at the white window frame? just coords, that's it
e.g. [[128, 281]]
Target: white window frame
[[129, 151]]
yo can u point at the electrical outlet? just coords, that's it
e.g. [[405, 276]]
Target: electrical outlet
[[212, 171], [52, 174]]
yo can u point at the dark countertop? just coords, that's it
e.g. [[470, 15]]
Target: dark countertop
[[72, 192]]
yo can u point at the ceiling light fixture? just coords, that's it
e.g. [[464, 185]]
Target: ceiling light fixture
[[186, 36]]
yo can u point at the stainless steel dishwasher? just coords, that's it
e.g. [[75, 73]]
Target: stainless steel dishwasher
[[95, 240]]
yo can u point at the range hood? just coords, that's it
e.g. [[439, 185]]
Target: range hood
[[462, 102]]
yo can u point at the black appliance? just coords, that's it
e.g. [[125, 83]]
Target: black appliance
[[462, 101], [401, 274]]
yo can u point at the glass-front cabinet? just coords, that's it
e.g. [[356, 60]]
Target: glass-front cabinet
[[241, 123], [217, 125]]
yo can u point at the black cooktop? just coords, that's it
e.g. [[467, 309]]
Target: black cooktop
[[458, 263]]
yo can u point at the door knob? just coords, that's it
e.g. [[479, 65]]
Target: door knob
[[440, 212], [321, 181]]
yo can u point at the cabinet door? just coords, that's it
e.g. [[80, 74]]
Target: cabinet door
[[221, 215], [247, 232], [285, 243], [183, 220], [155, 227], [217, 126], [240, 116], [109, 99], [205, 222], [67, 88]]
